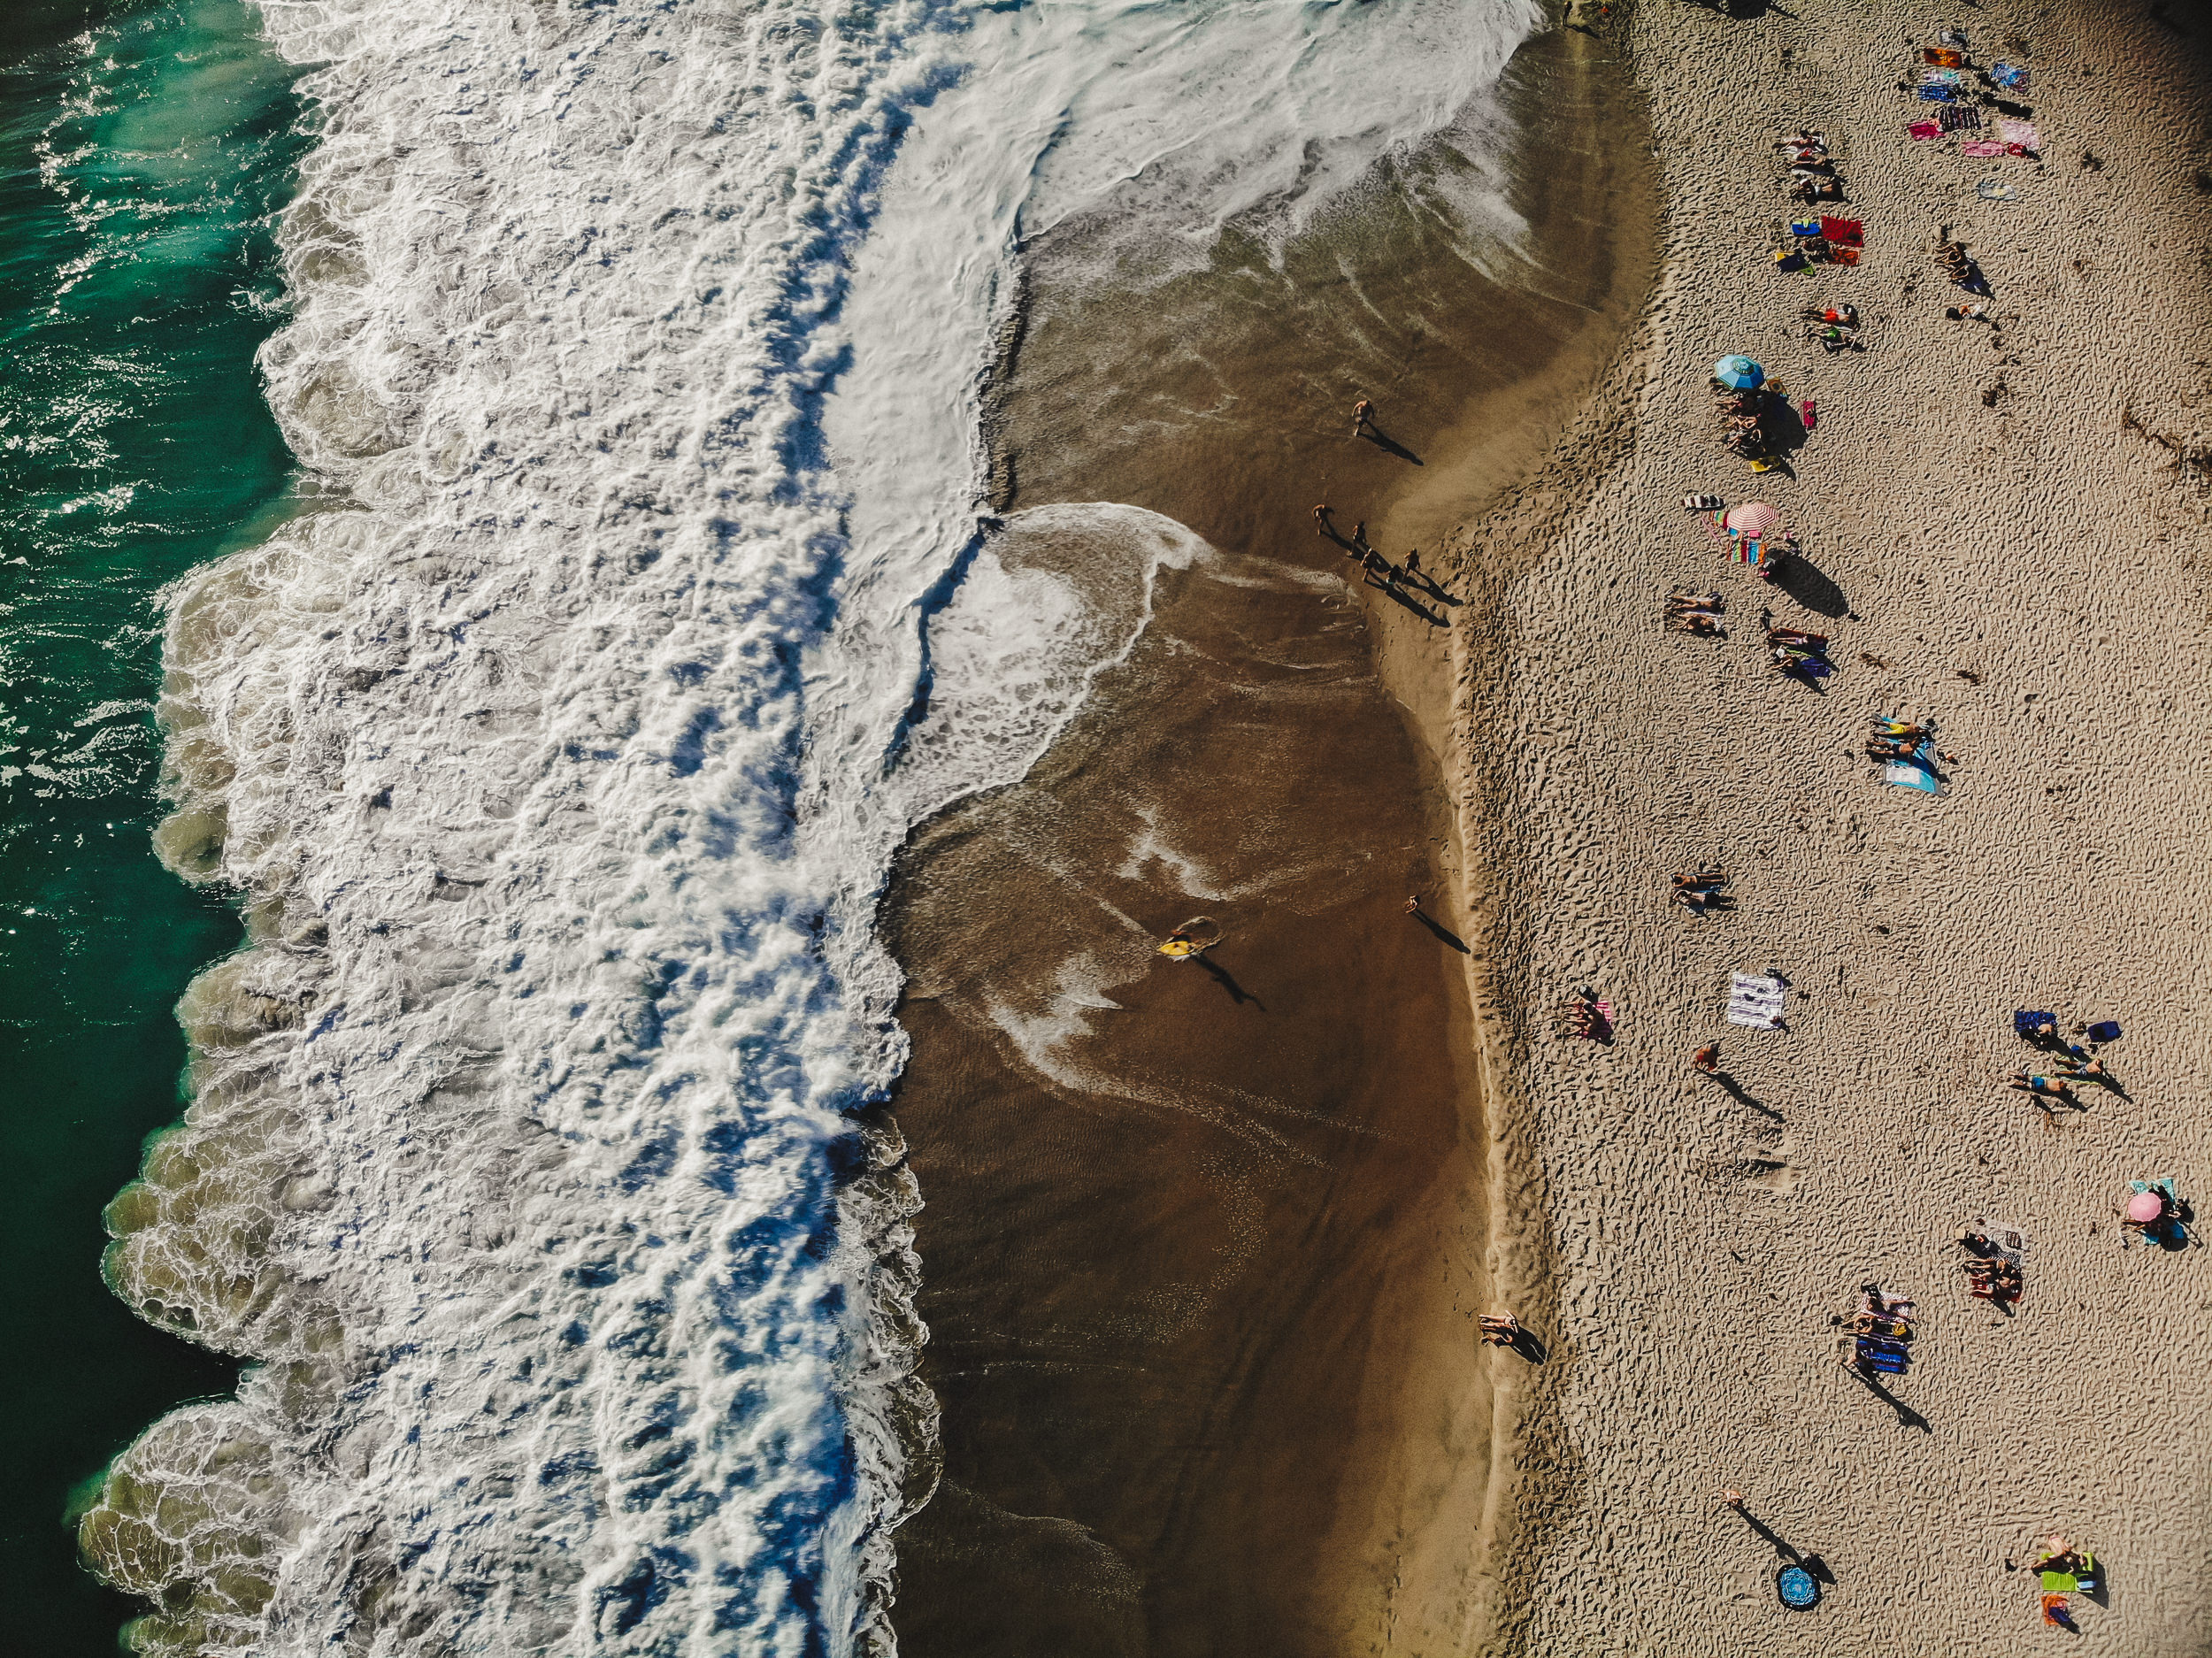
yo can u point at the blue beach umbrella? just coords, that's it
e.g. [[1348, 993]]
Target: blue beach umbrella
[[1797, 1588], [1738, 374]]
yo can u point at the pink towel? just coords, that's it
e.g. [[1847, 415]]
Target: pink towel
[[1981, 147], [2016, 132], [1924, 129]]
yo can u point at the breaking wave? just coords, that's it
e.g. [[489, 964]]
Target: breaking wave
[[640, 603]]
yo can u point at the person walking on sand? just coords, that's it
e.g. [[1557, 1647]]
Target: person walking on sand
[[1363, 415], [1413, 905], [1730, 1500], [1321, 518], [1413, 564], [1706, 1058], [1359, 534]]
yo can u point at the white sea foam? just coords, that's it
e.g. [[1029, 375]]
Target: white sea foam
[[563, 756]]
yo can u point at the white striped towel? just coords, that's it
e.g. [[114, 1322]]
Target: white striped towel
[[1756, 1000]]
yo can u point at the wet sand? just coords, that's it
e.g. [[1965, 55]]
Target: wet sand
[[1203, 1242]]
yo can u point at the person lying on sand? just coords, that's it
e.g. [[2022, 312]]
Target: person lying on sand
[[1890, 748], [1682, 595], [2062, 1557], [2047, 1087], [1794, 636]]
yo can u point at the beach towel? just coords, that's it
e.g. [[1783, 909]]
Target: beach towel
[[2104, 1030], [1924, 129], [1918, 773], [1844, 255], [1939, 77], [1996, 189], [2020, 133], [1756, 1000], [1787, 260], [2008, 75], [1958, 116], [2025, 1019], [1848, 232], [1982, 147], [1948, 58], [1938, 94], [1805, 227]]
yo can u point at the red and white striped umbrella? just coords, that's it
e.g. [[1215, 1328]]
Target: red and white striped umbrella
[[1753, 517]]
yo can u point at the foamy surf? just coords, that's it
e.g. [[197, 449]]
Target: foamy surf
[[637, 362]]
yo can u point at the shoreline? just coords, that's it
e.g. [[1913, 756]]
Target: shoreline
[[1368, 1469]]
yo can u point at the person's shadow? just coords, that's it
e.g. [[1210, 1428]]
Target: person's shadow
[[1785, 1550], [1811, 586], [1389, 445], [1742, 1096], [1428, 586], [1442, 932], [1907, 1416], [1530, 1345], [1228, 981], [1415, 605]]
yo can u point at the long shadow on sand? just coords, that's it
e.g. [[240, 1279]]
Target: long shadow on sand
[[1785, 1549], [1442, 932], [1530, 1345], [1227, 981], [1907, 1416], [1389, 445], [1811, 586], [1415, 605]]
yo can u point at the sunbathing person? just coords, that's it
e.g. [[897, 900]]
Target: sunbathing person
[[1500, 1329], [2046, 1087], [1792, 636], [2062, 1557], [1697, 622]]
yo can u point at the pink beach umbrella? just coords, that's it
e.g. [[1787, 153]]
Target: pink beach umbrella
[[2146, 1206], [1751, 518]]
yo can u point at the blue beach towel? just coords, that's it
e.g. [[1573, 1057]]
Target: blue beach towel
[[2025, 1020], [1936, 95], [2008, 75]]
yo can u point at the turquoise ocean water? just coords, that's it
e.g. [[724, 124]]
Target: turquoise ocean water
[[143, 148]]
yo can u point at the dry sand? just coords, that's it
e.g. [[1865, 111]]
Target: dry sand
[[2028, 505]]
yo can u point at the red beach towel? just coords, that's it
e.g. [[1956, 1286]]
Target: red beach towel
[[1849, 232]]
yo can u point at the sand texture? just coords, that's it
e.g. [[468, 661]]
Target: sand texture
[[2025, 504]]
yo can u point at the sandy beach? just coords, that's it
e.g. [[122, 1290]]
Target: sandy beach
[[2003, 526]]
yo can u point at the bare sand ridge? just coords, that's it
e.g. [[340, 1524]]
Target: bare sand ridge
[[2025, 504]]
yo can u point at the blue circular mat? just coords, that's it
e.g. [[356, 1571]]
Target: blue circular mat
[[1796, 1587]]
